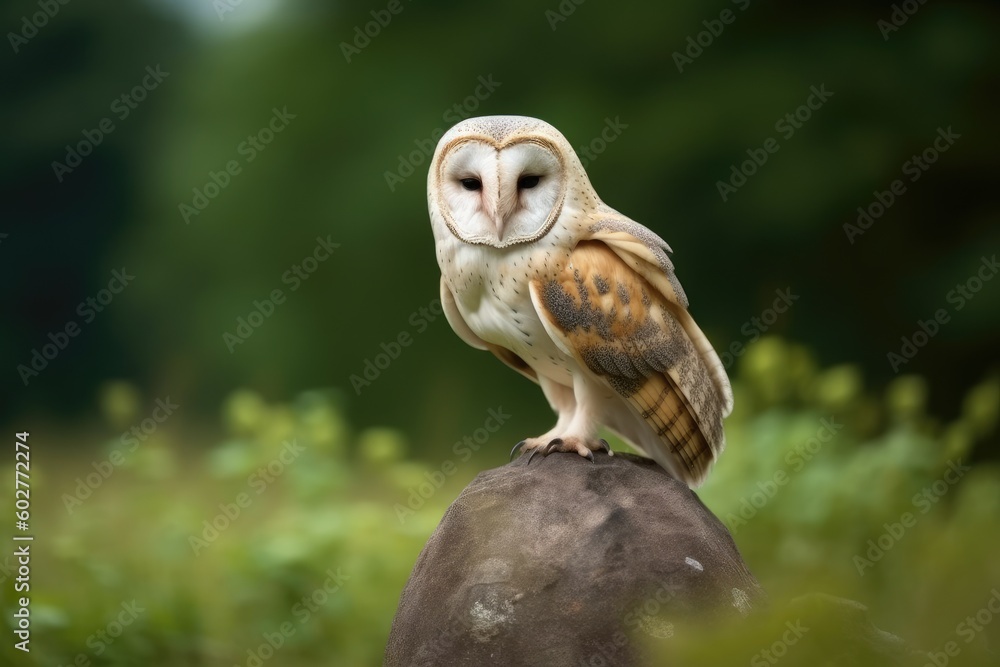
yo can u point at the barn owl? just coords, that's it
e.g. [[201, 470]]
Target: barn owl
[[573, 295]]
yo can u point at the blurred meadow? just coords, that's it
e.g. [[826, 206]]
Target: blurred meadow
[[247, 413]]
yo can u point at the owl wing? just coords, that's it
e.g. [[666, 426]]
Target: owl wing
[[619, 311], [646, 253], [461, 327]]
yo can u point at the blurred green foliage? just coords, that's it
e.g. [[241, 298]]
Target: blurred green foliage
[[217, 575]]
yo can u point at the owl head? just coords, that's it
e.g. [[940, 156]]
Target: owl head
[[503, 180]]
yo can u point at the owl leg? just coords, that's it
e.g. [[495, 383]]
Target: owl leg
[[576, 428], [563, 403]]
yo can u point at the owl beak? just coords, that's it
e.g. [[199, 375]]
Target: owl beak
[[505, 208], [491, 208]]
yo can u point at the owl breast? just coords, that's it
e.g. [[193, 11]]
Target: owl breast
[[491, 290]]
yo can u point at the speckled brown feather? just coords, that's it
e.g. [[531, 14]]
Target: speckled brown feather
[[623, 329]]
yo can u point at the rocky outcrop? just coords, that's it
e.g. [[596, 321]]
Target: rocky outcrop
[[567, 562]]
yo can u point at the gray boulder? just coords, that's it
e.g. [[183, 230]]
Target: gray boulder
[[567, 562]]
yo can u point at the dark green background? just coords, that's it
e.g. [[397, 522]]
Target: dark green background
[[325, 175]]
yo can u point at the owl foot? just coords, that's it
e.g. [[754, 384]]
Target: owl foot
[[583, 447]]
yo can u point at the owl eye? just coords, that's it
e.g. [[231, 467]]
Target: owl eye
[[472, 183], [527, 182]]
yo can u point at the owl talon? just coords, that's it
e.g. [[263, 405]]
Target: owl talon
[[555, 442], [569, 444], [516, 447]]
